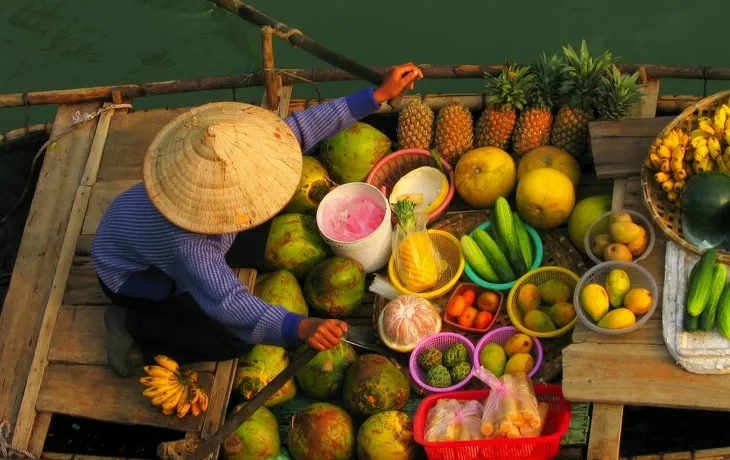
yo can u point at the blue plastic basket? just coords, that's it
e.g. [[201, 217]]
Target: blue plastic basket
[[536, 244]]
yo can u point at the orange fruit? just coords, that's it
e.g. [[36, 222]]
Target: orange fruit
[[545, 210], [456, 306], [469, 296], [467, 318], [488, 301], [482, 320]]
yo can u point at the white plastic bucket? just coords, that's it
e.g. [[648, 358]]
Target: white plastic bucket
[[372, 251]]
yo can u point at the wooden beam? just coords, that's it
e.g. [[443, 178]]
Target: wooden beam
[[271, 80], [605, 437], [38, 255], [97, 147]]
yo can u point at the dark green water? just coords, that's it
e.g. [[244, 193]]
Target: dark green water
[[54, 44]]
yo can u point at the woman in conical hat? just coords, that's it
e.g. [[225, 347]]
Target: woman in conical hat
[[160, 250]]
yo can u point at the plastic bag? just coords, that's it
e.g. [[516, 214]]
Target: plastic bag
[[511, 410], [450, 420], [417, 260]]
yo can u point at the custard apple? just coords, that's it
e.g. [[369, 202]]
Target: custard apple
[[459, 372], [455, 354], [438, 377], [430, 358]]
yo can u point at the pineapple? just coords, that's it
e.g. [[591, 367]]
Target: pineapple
[[584, 76], [415, 126], [534, 123], [617, 95], [454, 136], [506, 94]]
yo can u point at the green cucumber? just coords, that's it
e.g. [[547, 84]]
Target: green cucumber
[[699, 290], [506, 228], [477, 260], [723, 312], [690, 323], [495, 256], [524, 240], [719, 278]]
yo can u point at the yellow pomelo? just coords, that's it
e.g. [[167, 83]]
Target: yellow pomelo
[[585, 212], [550, 157], [484, 174], [426, 186], [545, 198]]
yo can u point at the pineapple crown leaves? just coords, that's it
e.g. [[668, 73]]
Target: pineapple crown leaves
[[618, 93], [405, 213], [509, 89], [584, 75], [548, 73]]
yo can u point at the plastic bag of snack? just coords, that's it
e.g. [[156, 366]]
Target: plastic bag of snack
[[511, 409], [451, 420]]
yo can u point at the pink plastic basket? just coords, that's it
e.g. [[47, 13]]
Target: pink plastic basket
[[541, 448], [501, 336], [391, 168], [442, 341]]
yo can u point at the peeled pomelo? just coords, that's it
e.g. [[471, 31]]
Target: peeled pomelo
[[406, 320], [426, 186], [484, 174]]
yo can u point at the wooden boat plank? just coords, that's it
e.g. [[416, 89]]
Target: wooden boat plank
[[605, 434], [97, 147], [57, 456], [649, 334], [96, 392], [102, 194], [128, 138], [38, 255], [83, 285], [619, 147]]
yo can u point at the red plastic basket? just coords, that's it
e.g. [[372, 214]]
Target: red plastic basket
[[478, 290], [545, 447]]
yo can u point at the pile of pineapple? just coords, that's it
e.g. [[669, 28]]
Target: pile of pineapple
[[676, 156], [521, 113]]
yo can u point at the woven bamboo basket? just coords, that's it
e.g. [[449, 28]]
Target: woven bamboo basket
[[558, 251], [663, 212]]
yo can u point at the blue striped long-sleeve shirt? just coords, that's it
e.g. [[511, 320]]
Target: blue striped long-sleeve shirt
[[133, 236]]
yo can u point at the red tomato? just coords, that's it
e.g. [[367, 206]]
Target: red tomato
[[467, 318], [469, 297], [483, 319], [456, 306]]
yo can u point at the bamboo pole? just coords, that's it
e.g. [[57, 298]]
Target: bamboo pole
[[23, 135], [288, 77], [271, 80]]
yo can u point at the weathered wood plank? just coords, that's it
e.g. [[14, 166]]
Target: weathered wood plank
[[56, 456], [39, 433], [102, 194], [649, 334], [619, 147], [127, 141], [83, 285], [97, 147], [37, 259], [642, 375], [96, 392], [605, 437]]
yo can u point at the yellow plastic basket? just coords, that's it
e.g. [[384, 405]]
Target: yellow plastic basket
[[450, 251], [538, 276]]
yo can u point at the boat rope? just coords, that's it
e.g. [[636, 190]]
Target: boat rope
[[77, 119], [6, 450], [285, 35]]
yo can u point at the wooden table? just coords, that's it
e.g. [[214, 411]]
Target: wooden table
[[635, 368]]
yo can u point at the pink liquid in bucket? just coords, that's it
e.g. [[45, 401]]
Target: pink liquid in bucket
[[352, 218]]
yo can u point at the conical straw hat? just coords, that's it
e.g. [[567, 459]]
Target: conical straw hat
[[222, 168]]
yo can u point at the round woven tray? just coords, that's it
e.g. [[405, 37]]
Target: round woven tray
[[663, 212]]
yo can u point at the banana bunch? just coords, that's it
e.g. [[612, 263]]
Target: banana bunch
[[173, 391], [670, 156], [712, 141]]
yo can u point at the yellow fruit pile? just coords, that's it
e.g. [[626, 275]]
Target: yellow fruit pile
[[676, 156], [546, 307], [624, 240], [615, 305], [512, 358], [173, 391]]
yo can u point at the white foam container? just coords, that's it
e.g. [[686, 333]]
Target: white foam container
[[373, 251]]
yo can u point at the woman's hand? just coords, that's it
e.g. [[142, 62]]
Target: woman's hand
[[396, 81], [321, 334]]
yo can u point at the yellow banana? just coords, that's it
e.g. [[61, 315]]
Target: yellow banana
[[164, 396], [203, 400], [661, 177], [168, 411], [713, 146], [173, 401], [654, 161], [725, 108], [151, 392], [676, 165], [157, 371], [698, 141], [167, 363], [718, 120], [727, 124], [672, 196], [195, 408], [678, 185], [727, 135], [668, 185], [706, 125], [699, 133], [701, 153], [657, 142], [680, 174], [193, 395], [663, 152], [183, 406], [156, 381]]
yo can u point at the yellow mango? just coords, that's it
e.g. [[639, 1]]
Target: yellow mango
[[518, 343], [554, 291], [624, 232], [599, 244], [493, 358], [638, 301], [521, 362], [594, 300], [619, 318], [617, 251], [617, 285], [561, 313], [619, 217], [528, 298], [539, 321], [637, 247]]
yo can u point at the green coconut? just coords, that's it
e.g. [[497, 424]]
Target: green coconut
[[259, 367], [353, 152], [374, 384], [323, 376], [255, 439], [321, 431], [314, 185], [281, 288], [336, 286], [294, 244], [387, 434]]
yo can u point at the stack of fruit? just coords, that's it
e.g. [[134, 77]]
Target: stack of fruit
[[447, 368], [546, 307], [504, 252], [512, 358], [173, 391], [461, 310], [625, 239], [616, 304], [677, 155], [708, 297]]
